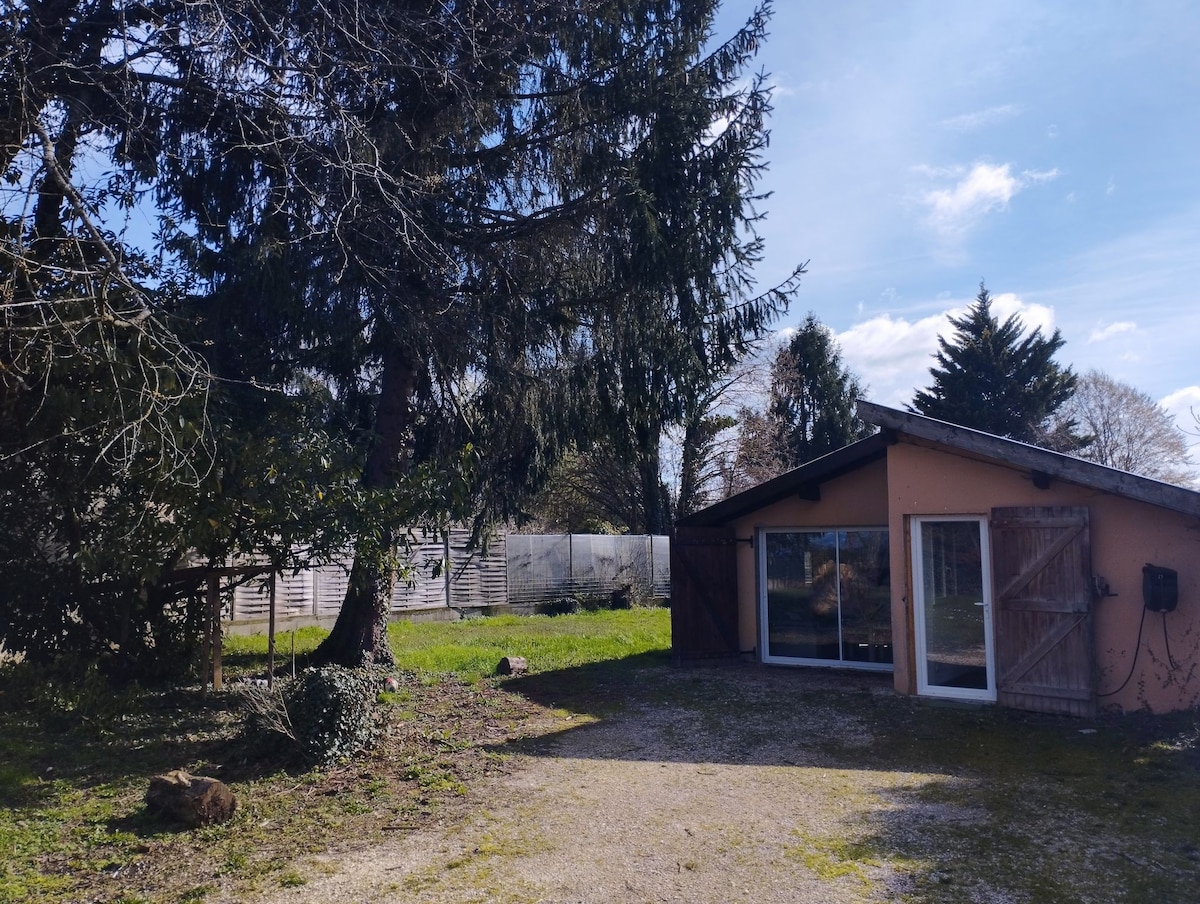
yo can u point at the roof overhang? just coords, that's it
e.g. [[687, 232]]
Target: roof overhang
[[1043, 465], [803, 482]]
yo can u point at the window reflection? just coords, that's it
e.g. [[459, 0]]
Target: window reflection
[[952, 570], [828, 596]]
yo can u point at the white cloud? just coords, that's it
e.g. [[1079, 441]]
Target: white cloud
[[1101, 333], [1033, 316], [893, 354], [969, 122], [984, 189], [1036, 176], [1184, 405], [953, 211]]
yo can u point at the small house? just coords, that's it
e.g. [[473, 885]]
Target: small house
[[969, 566]]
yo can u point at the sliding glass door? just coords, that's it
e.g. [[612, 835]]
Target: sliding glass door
[[825, 597]]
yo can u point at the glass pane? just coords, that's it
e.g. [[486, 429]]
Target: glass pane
[[802, 595], [951, 559], [866, 596]]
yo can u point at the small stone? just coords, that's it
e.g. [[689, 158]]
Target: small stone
[[194, 800], [391, 684]]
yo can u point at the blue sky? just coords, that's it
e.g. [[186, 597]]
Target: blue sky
[[1050, 148]]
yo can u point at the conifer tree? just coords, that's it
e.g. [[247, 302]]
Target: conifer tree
[[436, 239], [682, 238], [813, 395], [996, 377]]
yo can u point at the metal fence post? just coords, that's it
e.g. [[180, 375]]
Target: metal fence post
[[446, 564], [650, 557]]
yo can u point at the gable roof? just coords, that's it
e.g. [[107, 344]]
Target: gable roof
[[1043, 466], [803, 481]]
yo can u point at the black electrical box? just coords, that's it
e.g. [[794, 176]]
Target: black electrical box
[[1160, 588]]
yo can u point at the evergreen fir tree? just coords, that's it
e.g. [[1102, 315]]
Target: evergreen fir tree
[[681, 240], [479, 231], [995, 377], [813, 396]]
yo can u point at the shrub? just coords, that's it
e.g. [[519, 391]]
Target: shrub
[[67, 694], [326, 714], [622, 596]]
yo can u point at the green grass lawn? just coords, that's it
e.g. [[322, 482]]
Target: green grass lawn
[[470, 648], [76, 756]]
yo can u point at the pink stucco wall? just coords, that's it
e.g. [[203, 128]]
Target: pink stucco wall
[[858, 499], [1125, 534]]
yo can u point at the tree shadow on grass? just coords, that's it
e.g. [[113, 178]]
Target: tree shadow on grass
[[855, 718], [46, 747], [595, 688], [729, 712]]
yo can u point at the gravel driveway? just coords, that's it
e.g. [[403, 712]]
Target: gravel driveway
[[754, 784], [662, 802]]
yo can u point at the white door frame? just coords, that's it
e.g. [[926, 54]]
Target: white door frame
[[924, 688]]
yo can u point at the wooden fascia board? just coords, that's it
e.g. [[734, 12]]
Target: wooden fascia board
[[1042, 461]]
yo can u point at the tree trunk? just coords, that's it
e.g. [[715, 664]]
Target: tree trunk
[[695, 436], [359, 636], [22, 90], [655, 504]]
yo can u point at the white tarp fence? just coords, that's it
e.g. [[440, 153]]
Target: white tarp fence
[[517, 569], [544, 568]]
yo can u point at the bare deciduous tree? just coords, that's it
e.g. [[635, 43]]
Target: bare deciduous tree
[[1125, 428]]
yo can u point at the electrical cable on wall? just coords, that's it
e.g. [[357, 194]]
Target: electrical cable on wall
[[1137, 649], [1167, 644]]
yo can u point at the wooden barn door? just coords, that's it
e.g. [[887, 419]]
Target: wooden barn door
[[703, 593], [1045, 656]]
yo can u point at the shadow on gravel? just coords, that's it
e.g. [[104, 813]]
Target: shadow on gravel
[[978, 803], [749, 714]]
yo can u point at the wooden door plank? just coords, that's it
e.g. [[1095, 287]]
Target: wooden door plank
[[1036, 567], [1044, 643], [1038, 652], [1055, 692], [1044, 604]]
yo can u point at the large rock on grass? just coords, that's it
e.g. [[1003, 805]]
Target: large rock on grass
[[194, 800]]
